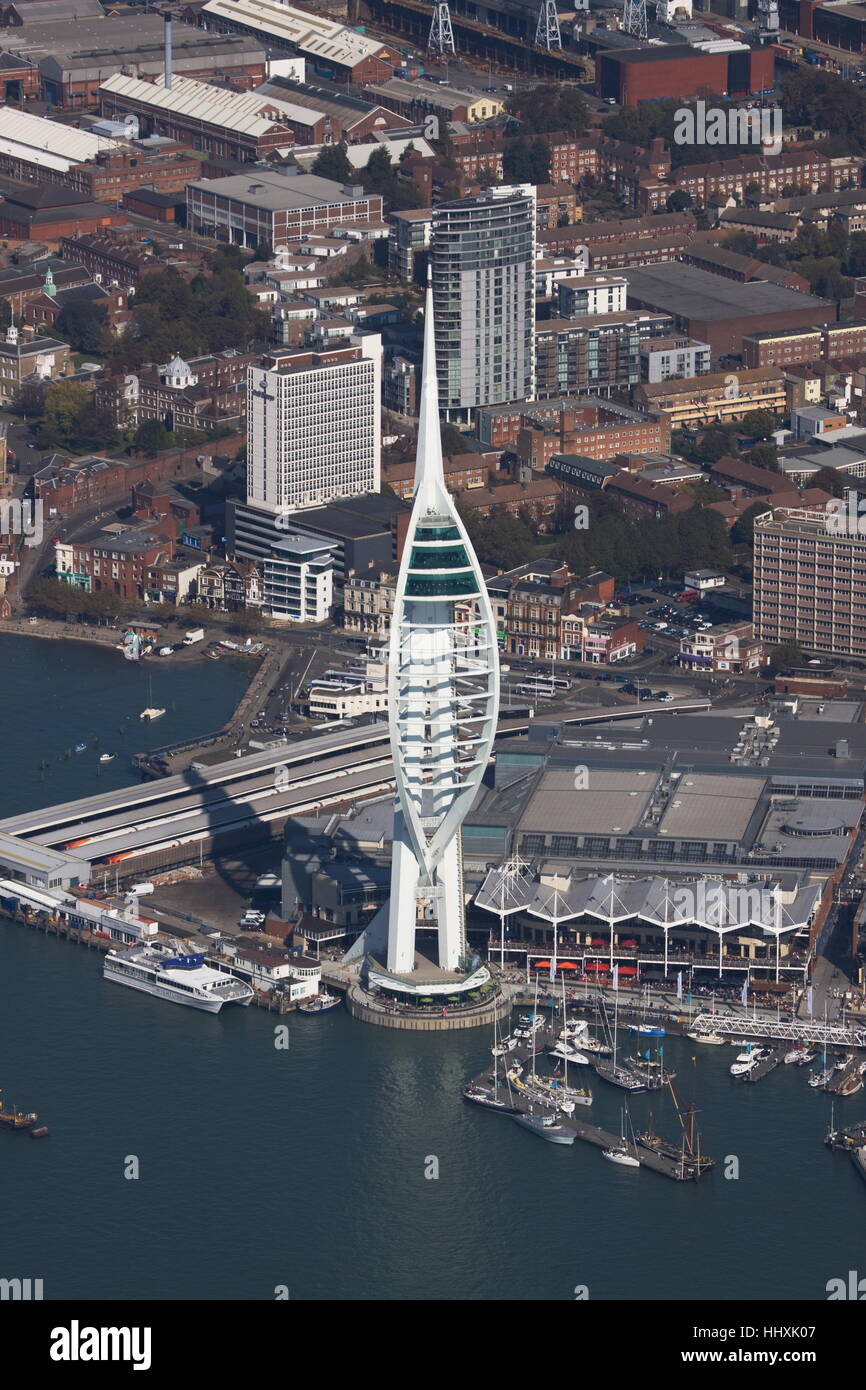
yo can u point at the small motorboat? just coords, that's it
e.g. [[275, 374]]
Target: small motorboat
[[819, 1079], [507, 1044], [622, 1157], [713, 1039], [803, 1058], [566, 1053], [546, 1127], [649, 1030], [792, 1058], [320, 1003], [593, 1045], [152, 713], [743, 1068], [107, 757], [80, 747]]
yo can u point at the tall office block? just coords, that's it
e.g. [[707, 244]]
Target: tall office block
[[314, 426], [482, 254]]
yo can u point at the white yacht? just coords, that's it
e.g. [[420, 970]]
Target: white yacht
[[745, 1064], [567, 1052], [184, 979], [621, 1156], [714, 1039]]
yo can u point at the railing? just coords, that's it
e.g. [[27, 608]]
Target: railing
[[742, 1026]]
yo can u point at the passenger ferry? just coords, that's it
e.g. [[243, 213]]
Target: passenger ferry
[[184, 979]]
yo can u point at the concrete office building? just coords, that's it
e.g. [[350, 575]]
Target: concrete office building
[[314, 426], [809, 582], [298, 580], [482, 254]]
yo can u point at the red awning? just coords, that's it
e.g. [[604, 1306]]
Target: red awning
[[598, 966], [628, 970], [598, 941], [629, 943], [567, 965], [541, 965]]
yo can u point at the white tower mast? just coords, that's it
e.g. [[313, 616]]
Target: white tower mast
[[443, 698]]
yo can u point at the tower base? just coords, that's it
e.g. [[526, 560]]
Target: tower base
[[426, 998]]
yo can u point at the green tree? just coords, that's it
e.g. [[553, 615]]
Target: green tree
[[764, 455], [498, 539], [65, 402], [547, 108], [453, 442], [679, 201], [786, 655], [742, 532], [332, 162], [759, 423], [84, 325], [152, 436], [830, 481]]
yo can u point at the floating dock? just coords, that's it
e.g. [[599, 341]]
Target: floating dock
[[680, 1169], [764, 1067]]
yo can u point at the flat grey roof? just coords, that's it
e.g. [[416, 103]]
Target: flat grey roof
[[611, 803], [707, 807], [275, 192], [690, 292]]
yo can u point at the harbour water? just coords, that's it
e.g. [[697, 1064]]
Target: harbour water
[[308, 1167]]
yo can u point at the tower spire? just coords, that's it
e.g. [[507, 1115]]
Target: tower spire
[[428, 457]]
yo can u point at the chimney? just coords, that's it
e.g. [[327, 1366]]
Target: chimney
[[167, 78]]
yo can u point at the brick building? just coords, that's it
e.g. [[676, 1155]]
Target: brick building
[[274, 207], [653, 73], [113, 257], [570, 425], [462, 471], [51, 213], [719, 311], [641, 499], [716, 396], [205, 393], [229, 125], [595, 353]]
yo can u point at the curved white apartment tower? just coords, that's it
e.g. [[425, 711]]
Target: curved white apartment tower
[[443, 699]]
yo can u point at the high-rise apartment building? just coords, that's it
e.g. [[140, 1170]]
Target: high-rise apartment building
[[482, 253], [313, 426], [810, 581]]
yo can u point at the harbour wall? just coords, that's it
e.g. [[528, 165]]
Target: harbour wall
[[360, 1006]]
